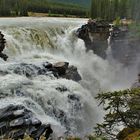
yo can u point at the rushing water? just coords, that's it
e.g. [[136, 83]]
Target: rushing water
[[37, 40]]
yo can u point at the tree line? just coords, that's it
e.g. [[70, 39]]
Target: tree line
[[112, 9], [22, 7]]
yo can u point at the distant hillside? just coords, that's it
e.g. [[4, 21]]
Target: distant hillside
[[66, 8], [85, 3]]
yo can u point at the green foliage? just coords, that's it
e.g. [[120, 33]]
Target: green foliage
[[84, 3], [122, 108], [111, 9], [117, 21], [22, 7]]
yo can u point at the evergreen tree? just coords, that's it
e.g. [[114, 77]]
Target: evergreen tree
[[122, 109], [112, 9]]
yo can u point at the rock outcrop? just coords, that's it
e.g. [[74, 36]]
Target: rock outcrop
[[124, 42], [59, 70], [95, 35], [16, 121], [2, 46]]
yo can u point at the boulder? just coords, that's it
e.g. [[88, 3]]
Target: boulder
[[61, 67], [47, 65], [72, 73]]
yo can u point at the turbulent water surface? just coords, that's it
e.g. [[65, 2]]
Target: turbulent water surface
[[37, 40]]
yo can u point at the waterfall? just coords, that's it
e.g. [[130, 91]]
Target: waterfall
[[37, 40]]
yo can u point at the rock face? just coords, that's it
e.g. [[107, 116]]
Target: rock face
[[16, 121], [2, 46], [61, 67], [72, 73], [125, 47], [95, 35]]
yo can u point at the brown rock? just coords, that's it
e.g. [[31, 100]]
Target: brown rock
[[61, 67], [125, 132]]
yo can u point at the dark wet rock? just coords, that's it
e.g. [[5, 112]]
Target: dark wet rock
[[54, 72], [16, 121], [49, 131], [11, 115], [23, 122], [57, 113], [31, 130], [75, 101], [47, 65], [17, 134], [42, 71], [65, 71], [2, 46], [61, 67], [3, 56], [62, 89], [11, 108], [83, 33], [3, 127], [19, 92], [40, 130], [59, 70], [72, 73], [119, 32], [35, 122], [3, 72], [3, 95], [28, 70], [74, 97]]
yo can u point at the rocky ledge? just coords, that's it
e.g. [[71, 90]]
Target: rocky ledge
[[17, 121], [59, 70]]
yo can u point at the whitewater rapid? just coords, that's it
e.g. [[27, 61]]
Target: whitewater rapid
[[37, 40]]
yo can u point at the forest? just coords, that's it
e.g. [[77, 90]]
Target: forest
[[103, 9], [22, 7], [112, 9]]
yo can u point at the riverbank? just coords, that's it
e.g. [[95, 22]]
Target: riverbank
[[35, 14]]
